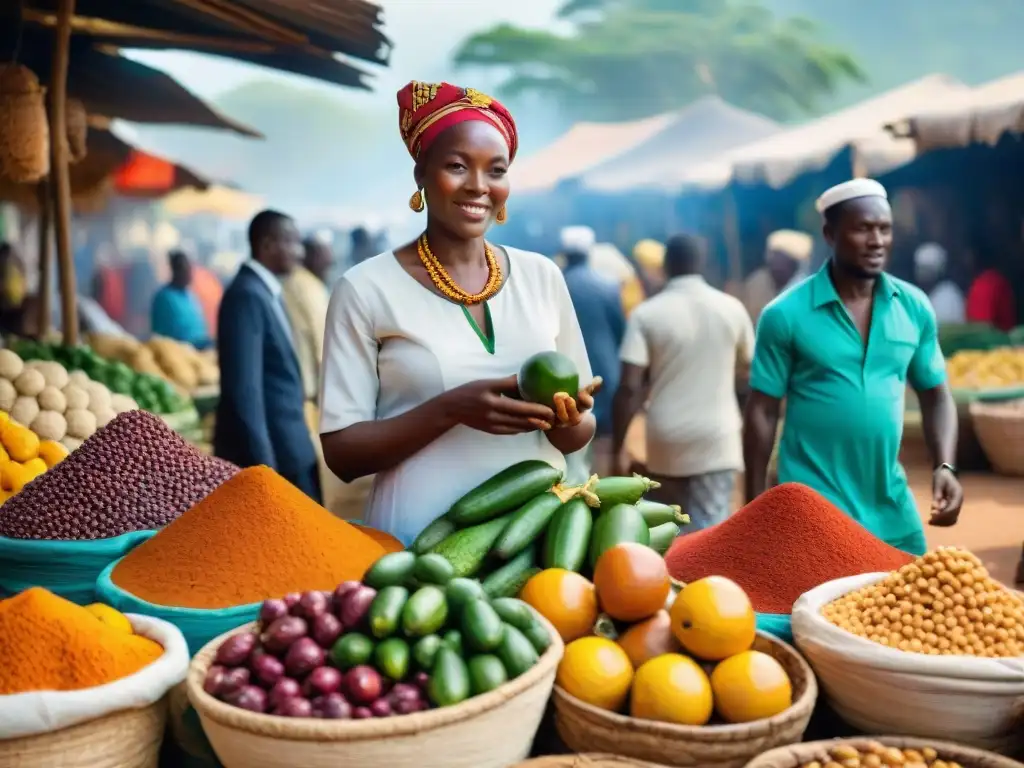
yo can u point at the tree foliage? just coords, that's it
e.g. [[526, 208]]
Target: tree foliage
[[627, 59]]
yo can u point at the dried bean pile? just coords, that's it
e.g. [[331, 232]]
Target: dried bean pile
[[135, 474]]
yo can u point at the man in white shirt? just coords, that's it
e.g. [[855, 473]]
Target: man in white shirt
[[680, 353], [946, 298]]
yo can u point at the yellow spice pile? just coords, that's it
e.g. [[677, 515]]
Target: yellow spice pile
[[942, 604], [877, 755]]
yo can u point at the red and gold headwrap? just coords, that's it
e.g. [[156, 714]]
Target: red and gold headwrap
[[426, 109]]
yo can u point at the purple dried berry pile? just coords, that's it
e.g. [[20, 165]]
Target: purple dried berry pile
[[134, 474]]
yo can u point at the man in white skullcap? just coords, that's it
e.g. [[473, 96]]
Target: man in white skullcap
[[786, 255], [930, 274], [840, 349]]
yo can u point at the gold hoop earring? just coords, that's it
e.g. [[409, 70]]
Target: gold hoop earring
[[417, 202], [502, 216]]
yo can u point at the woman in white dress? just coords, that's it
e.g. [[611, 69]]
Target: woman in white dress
[[423, 343]]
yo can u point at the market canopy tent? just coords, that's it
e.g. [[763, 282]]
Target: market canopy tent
[[220, 201]]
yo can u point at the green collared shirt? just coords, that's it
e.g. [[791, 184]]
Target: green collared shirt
[[844, 399]]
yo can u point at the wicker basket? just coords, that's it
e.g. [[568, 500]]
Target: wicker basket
[[1000, 430], [583, 727], [494, 730], [585, 761], [24, 131], [130, 738], [799, 754]]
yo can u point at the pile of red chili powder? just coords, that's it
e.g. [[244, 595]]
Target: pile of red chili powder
[[785, 542]]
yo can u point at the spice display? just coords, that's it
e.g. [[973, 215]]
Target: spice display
[[877, 755], [385, 539], [788, 540], [942, 604], [177, 362], [134, 474], [255, 537], [51, 644], [410, 636]]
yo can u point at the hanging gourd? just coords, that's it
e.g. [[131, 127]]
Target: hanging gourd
[[77, 122], [24, 133]]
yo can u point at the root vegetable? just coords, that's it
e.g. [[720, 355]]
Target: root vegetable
[[284, 689], [233, 680], [8, 395], [327, 628], [271, 610], [81, 423], [249, 697], [49, 425], [381, 708], [361, 713], [363, 684], [294, 707], [355, 605], [214, 679], [312, 604], [52, 399], [321, 681], [283, 632], [303, 657], [268, 669], [30, 383], [236, 650], [76, 397], [334, 706], [25, 410]]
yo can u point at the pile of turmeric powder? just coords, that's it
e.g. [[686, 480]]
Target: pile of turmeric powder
[[255, 537], [50, 644]]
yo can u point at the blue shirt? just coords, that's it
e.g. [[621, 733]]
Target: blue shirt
[[599, 311], [845, 399], [178, 315]]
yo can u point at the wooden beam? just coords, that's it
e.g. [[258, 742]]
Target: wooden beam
[[44, 294], [59, 175]]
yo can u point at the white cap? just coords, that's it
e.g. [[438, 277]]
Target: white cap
[[850, 190], [796, 245], [930, 256], [578, 239]]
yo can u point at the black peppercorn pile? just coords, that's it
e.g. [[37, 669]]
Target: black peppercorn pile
[[134, 474]]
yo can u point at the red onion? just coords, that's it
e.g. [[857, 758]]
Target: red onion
[[303, 657], [233, 680], [285, 688], [326, 630], [272, 610], [280, 635], [361, 713], [294, 707], [343, 589], [404, 692], [321, 681], [381, 708], [312, 604], [235, 651], [363, 684], [409, 707], [292, 599], [355, 606], [268, 669], [421, 680], [214, 679], [334, 706], [250, 697]]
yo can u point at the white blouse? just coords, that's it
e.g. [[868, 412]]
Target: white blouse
[[391, 344]]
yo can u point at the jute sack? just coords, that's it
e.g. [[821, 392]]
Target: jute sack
[[878, 689]]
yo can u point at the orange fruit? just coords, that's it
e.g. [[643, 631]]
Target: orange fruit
[[632, 582], [564, 598], [649, 638], [672, 688], [713, 618], [750, 686], [597, 671], [21, 442]]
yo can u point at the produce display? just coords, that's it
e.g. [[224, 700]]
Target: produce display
[[54, 404], [956, 337], [942, 604], [51, 644], [877, 755], [134, 474], [986, 369], [656, 654], [151, 392], [520, 520], [23, 456], [408, 637], [255, 537], [174, 361], [787, 541], [546, 374]]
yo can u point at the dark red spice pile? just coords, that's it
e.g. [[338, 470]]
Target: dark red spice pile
[[785, 542], [134, 474]]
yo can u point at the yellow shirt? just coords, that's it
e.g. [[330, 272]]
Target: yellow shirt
[[305, 299]]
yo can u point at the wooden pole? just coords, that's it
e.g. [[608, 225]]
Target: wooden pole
[[59, 176], [45, 258]]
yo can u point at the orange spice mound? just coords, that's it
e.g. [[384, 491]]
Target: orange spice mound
[[253, 538], [385, 539], [48, 643]]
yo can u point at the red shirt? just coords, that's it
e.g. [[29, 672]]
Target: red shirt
[[209, 291], [990, 300]]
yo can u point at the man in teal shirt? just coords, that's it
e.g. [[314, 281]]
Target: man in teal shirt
[[177, 313], [840, 348]]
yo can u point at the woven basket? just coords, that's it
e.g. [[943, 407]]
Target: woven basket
[[1000, 430], [494, 730], [584, 727], [76, 121], [799, 754], [130, 738], [24, 132], [585, 761]]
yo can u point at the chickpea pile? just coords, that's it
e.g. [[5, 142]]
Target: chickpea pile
[[942, 604], [876, 755]]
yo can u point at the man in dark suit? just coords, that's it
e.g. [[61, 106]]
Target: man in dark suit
[[260, 418]]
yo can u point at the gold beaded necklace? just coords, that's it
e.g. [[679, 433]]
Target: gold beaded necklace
[[446, 284]]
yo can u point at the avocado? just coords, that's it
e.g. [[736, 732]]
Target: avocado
[[545, 374]]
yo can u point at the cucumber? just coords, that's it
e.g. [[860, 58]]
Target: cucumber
[[504, 492], [425, 612], [546, 374], [386, 611], [486, 672], [539, 636], [460, 591], [621, 523], [425, 650], [392, 570], [565, 545], [432, 569], [453, 639], [527, 524], [482, 628], [391, 658], [517, 653], [449, 681], [514, 612], [622, 490], [655, 513], [433, 534], [351, 650], [467, 549], [662, 536], [513, 575]]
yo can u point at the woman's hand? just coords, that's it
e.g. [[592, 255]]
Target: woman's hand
[[490, 405], [569, 410]]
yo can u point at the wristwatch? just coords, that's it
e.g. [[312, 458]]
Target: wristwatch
[[947, 465]]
